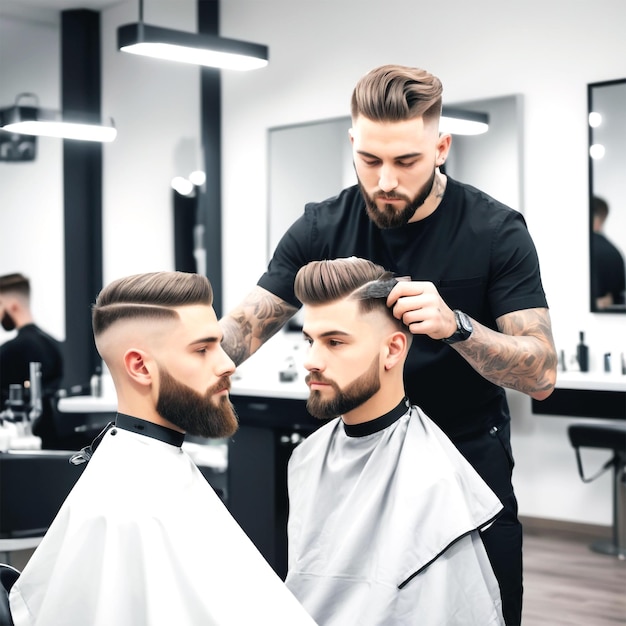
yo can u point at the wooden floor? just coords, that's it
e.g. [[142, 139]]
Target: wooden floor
[[565, 582]]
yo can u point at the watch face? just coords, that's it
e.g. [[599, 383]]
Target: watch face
[[464, 328], [465, 323]]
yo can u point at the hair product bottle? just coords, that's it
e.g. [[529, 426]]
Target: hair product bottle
[[582, 353]]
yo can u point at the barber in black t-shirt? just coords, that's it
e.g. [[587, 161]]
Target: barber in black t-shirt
[[31, 344], [475, 303]]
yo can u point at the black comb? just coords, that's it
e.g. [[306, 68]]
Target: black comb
[[377, 289]]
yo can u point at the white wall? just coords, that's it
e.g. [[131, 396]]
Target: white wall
[[546, 51], [156, 106], [31, 193]]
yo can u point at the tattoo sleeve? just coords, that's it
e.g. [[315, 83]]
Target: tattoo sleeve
[[521, 356], [260, 316]]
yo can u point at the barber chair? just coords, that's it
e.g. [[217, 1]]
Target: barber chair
[[610, 437], [8, 576]]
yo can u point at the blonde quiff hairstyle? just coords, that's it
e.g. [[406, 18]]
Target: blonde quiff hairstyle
[[323, 282], [394, 93]]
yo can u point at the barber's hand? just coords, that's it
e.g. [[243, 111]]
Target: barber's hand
[[419, 306]]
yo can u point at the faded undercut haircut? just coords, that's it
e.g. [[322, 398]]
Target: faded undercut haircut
[[396, 93], [322, 282], [15, 283], [149, 296]]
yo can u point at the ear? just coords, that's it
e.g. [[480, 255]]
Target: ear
[[138, 367], [395, 350], [443, 148], [351, 135]]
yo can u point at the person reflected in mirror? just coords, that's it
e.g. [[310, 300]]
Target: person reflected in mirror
[[142, 537], [30, 344], [475, 304], [608, 273], [385, 513]]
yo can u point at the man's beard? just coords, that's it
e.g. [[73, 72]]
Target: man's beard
[[196, 413], [389, 216], [8, 323], [344, 400]]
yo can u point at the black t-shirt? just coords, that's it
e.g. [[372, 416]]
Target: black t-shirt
[[608, 269], [30, 345], [476, 251]]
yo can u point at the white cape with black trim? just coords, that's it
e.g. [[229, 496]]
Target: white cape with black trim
[[384, 529], [143, 540]]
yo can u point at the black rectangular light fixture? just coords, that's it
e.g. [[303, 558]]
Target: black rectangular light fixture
[[461, 122], [195, 48], [34, 120]]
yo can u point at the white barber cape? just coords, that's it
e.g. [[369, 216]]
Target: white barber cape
[[384, 527], [143, 540]]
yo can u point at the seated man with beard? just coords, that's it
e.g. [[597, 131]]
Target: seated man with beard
[[143, 539], [385, 513]]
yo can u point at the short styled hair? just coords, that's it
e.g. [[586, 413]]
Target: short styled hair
[[600, 207], [323, 282], [395, 93], [15, 283], [151, 296]]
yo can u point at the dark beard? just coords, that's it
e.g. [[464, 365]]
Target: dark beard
[[197, 414], [388, 217], [354, 395], [8, 323]]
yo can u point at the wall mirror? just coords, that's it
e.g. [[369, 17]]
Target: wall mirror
[[607, 195], [312, 161]]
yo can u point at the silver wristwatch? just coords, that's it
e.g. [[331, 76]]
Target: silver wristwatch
[[464, 328]]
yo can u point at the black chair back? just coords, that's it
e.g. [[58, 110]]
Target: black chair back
[[8, 576]]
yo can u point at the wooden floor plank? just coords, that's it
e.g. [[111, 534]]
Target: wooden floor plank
[[567, 584]]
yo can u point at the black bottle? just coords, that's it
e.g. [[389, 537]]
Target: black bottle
[[582, 354]]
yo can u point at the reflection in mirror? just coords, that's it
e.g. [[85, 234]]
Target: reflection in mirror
[[607, 194], [313, 161]]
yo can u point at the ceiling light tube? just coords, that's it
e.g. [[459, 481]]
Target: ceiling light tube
[[28, 120], [194, 48], [461, 122]]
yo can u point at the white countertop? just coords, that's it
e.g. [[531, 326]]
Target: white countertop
[[592, 381]]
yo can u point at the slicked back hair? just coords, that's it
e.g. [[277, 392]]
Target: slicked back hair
[[323, 282], [15, 283], [396, 93], [149, 296]]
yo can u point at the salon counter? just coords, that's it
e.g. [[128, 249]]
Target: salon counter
[[586, 394]]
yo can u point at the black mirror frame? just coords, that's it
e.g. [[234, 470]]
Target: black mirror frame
[[590, 87]]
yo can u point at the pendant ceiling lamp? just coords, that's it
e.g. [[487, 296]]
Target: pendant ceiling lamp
[[461, 122], [195, 48], [34, 120]]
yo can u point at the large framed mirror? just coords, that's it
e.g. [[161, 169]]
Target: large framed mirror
[[607, 195]]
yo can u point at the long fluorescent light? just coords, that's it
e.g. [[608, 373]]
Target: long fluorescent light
[[462, 122], [28, 120], [194, 48]]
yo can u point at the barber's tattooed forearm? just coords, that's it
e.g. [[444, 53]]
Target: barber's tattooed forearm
[[260, 316], [237, 337], [520, 357]]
